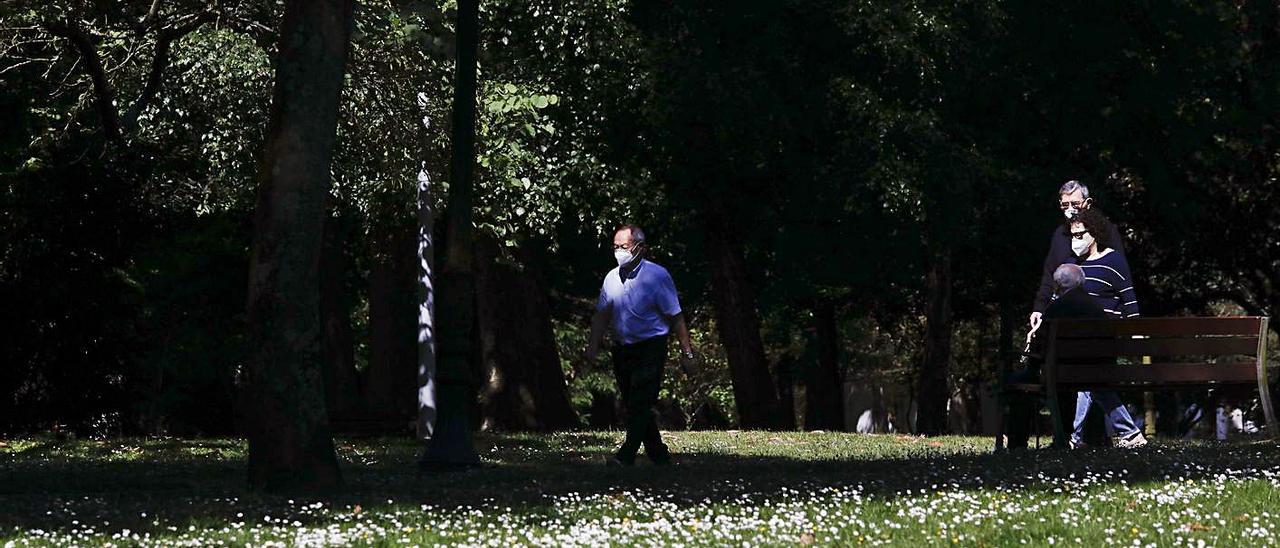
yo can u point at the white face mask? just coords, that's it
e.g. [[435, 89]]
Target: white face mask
[[622, 256], [1070, 212], [1082, 245]]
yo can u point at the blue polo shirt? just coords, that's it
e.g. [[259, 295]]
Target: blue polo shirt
[[639, 306]]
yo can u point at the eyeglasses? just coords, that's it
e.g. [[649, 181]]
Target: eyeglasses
[[1079, 235], [1077, 205]]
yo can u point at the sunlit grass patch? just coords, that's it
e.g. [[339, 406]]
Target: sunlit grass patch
[[728, 488]]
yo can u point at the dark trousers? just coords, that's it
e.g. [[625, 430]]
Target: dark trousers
[[638, 368], [1022, 408]]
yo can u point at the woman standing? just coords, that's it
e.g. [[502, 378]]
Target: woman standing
[[1108, 281]]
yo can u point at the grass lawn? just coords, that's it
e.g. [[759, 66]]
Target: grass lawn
[[726, 488]]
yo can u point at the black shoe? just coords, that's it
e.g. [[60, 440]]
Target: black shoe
[[616, 461], [662, 459]]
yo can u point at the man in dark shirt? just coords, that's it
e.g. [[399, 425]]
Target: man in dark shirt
[[1071, 302], [1073, 197]]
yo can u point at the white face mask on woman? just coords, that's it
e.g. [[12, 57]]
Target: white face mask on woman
[[1080, 246]]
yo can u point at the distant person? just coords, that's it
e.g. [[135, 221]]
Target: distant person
[[1108, 281], [1073, 198], [1069, 301], [638, 302]]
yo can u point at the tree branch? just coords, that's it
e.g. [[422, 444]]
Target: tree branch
[[159, 62], [104, 95], [151, 14]]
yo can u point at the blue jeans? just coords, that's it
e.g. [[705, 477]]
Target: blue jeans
[[1119, 422]]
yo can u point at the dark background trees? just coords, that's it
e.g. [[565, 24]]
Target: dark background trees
[[853, 197]]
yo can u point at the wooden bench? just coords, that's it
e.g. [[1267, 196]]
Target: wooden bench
[[1185, 353]]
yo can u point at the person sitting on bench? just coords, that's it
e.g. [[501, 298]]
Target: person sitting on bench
[[1108, 281], [1069, 301]]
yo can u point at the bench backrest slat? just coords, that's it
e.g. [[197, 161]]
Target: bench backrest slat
[[1171, 373], [1188, 346], [1160, 327]]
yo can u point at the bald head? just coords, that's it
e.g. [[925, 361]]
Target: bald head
[[1068, 277]]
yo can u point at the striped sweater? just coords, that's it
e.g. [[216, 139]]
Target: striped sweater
[[1108, 281]]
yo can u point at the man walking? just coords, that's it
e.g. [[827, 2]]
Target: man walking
[[638, 302], [1073, 197]]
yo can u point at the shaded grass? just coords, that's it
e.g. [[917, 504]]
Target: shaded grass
[[762, 487]]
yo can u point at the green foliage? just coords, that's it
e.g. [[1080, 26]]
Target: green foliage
[[209, 123], [585, 380], [847, 143], [393, 119], [700, 396], [522, 186]]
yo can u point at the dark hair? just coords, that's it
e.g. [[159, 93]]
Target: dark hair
[[1098, 226]]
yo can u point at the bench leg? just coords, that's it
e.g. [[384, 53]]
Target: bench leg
[[1268, 412], [1055, 413], [1002, 412], [1264, 390]]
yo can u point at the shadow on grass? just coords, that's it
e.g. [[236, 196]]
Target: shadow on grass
[[152, 493]]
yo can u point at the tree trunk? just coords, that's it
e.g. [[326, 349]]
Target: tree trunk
[[451, 442], [290, 446], [932, 389], [1007, 352], [824, 406], [739, 327], [524, 385], [785, 379], [340, 379], [393, 361]]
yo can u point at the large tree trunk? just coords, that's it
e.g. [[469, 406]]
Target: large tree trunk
[[824, 406], [393, 361], [739, 326], [932, 391], [341, 389], [524, 385], [451, 442], [290, 446]]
